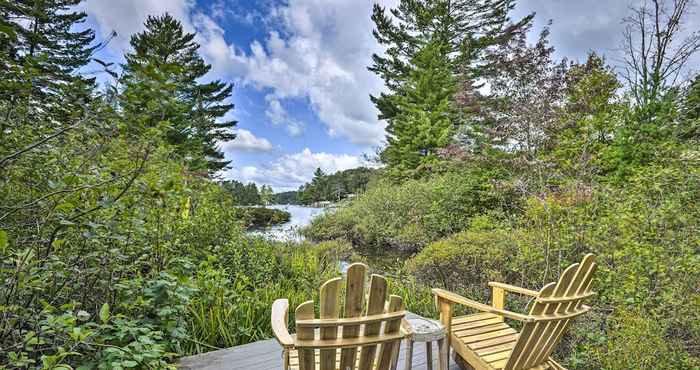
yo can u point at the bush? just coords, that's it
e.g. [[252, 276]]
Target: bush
[[468, 260], [256, 217], [645, 237], [407, 217]]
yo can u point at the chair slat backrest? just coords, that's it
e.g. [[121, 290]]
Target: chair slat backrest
[[375, 333], [554, 309]]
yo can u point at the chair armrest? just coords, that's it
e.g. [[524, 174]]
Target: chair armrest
[[279, 323], [456, 298], [514, 289]]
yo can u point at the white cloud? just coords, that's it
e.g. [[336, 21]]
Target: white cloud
[[276, 113], [247, 142], [127, 16], [290, 171], [320, 53]]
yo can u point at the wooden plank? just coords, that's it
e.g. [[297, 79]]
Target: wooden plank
[[493, 349], [477, 324], [487, 336], [495, 341], [330, 309], [542, 330], [514, 289], [579, 288], [393, 326], [475, 317], [265, 355], [364, 340], [354, 302], [375, 305], [305, 311], [351, 322], [498, 297], [481, 330]]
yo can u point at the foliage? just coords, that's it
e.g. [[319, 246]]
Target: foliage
[[478, 254], [333, 187], [643, 236], [40, 49], [286, 197], [116, 249], [161, 75], [465, 28], [243, 194], [261, 216], [425, 118], [406, 217]]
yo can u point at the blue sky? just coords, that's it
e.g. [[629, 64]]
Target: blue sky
[[299, 69]]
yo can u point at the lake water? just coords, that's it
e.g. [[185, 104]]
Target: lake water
[[289, 231]]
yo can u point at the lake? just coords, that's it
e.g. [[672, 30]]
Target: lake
[[289, 231]]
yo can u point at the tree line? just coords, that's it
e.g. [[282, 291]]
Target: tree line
[[249, 194], [329, 187]]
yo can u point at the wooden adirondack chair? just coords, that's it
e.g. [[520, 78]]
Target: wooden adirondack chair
[[485, 342], [362, 339]]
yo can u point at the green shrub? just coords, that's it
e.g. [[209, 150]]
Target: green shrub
[[256, 217], [645, 237], [407, 217], [468, 260]]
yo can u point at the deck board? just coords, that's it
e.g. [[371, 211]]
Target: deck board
[[267, 355]]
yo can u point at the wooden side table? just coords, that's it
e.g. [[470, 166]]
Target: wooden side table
[[421, 329]]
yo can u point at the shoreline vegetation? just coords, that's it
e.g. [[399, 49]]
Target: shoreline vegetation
[[256, 217], [121, 248]]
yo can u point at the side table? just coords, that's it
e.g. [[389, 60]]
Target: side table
[[421, 329]]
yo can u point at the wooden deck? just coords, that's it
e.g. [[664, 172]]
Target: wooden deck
[[267, 355]]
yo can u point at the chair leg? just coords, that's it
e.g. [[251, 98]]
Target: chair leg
[[409, 355], [444, 362], [395, 356], [429, 354], [285, 359]]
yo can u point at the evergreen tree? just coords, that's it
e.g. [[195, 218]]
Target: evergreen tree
[[266, 194], [318, 185], [425, 117], [161, 75], [691, 128], [41, 48], [465, 27]]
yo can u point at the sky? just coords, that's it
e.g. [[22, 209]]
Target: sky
[[299, 68]]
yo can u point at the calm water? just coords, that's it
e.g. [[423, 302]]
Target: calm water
[[300, 217]]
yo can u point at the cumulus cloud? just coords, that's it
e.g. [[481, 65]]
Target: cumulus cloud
[[246, 141], [276, 113], [320, 53], [290, 171], [126, 17]]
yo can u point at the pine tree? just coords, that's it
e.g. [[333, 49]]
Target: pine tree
[[41, 48], [161, 76], [318, 186], [465, 27], [691, 128], [424, 121]]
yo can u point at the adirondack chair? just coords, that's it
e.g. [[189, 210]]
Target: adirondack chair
[[360, 339], [486, 342]]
